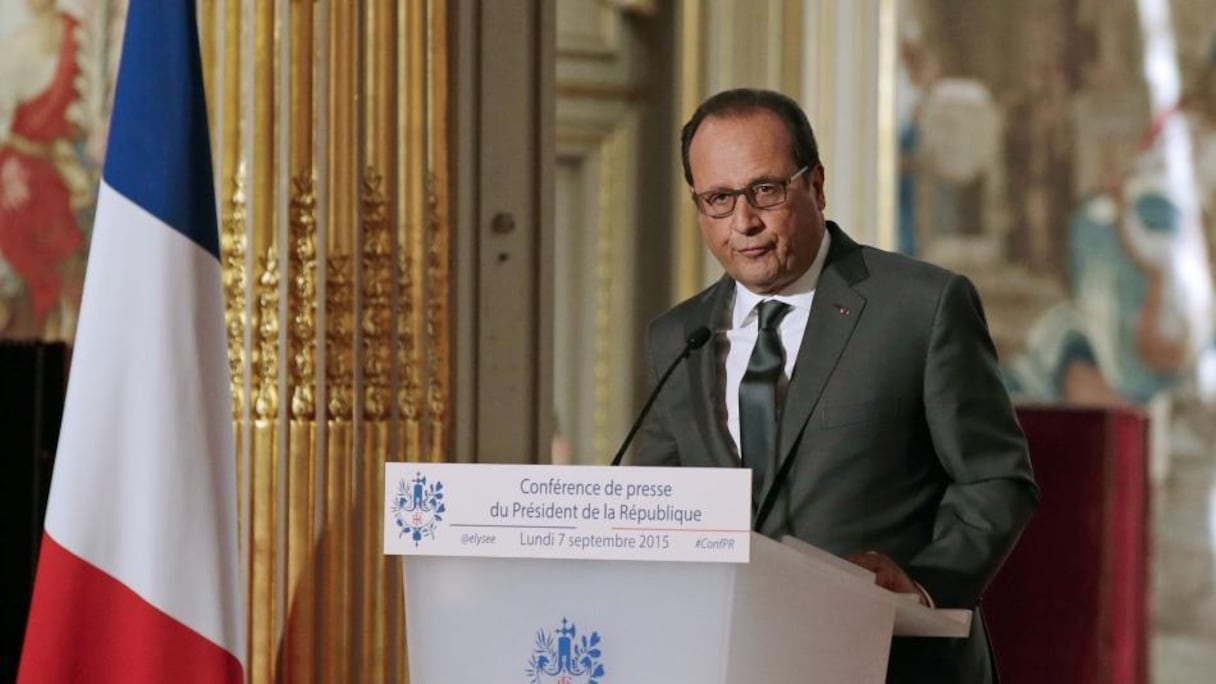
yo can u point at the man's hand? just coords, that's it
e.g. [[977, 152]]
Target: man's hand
[[888, 574]]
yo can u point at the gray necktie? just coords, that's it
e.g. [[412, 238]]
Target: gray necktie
[[758, 395]]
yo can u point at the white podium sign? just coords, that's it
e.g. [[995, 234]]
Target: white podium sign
[[589, 512], [577, 599]]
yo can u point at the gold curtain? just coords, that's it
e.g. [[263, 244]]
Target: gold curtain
[[329, 123]]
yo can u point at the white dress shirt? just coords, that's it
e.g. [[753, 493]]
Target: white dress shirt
[[740, 337]]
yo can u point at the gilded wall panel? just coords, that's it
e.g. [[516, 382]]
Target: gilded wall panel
[[330, 123]]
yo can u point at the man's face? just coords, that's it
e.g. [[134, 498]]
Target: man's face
[[763, 249]]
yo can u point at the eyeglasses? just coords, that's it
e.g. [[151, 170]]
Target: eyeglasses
[[762, 194]]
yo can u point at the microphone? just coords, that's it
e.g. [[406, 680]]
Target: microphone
[[696, 340]]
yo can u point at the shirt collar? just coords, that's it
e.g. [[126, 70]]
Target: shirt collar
[[798, 294]]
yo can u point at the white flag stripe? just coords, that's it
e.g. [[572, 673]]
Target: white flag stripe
[[151, 325]]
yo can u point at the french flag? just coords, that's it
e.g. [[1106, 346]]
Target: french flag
[[138, 577]]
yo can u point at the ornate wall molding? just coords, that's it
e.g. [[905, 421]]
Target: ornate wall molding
[[331, 122]]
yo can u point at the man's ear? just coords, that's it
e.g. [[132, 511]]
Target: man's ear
[[817, 178]]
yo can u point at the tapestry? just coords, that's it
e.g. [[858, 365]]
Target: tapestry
[[1063, 156], [57, 65]]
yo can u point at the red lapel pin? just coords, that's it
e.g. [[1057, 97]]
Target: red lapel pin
[[844, 310]]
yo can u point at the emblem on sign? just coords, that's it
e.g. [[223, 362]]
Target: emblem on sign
[[564, 657], [418, 508]]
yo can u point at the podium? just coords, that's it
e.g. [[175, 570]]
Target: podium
[[791, 614]]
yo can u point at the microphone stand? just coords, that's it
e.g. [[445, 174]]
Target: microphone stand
[[696, 340]]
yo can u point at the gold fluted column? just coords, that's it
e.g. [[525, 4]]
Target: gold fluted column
[[411, 99], [232, 253], [301, 576], [260, 145], [421, 342], [423, 233], [226, 60], [438, 262], [376, 318], [342, 217], [408, 342], [379, 50], [331, 125], [298, 660], [264, 478]]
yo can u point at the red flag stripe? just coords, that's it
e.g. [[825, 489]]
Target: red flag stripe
[[111, 634]]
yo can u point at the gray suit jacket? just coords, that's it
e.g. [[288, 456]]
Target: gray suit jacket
[[903, 437]]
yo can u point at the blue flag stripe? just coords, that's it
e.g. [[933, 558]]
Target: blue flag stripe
[[159, 151]]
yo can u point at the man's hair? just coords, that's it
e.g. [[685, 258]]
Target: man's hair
[[744, 101]]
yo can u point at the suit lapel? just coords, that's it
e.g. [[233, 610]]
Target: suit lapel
[[834, 314], [703, 375]]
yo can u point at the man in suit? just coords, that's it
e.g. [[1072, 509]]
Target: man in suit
[[869, 378]]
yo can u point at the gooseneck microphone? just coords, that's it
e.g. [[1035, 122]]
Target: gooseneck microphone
[[696, 340]]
